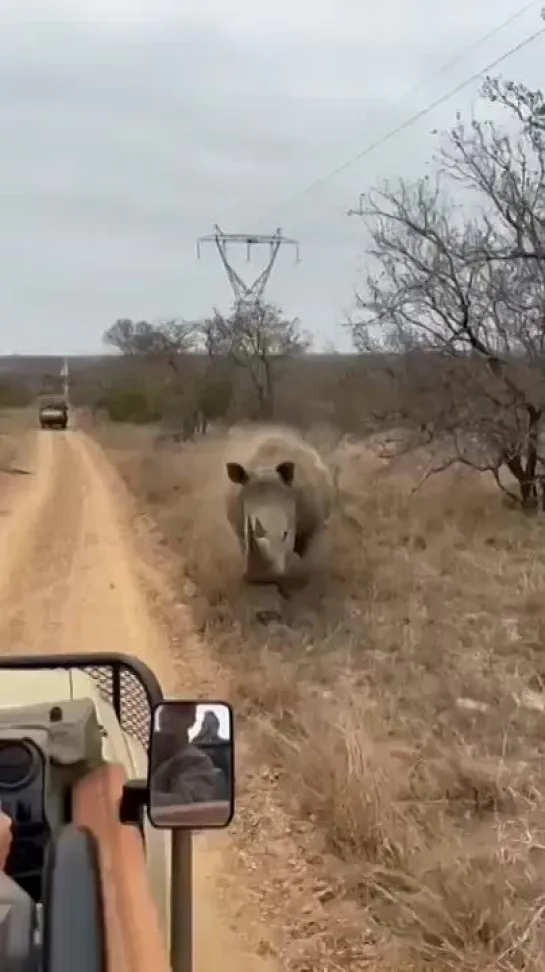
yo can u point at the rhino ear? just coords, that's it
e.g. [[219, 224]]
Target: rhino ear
[[237, 473], [286, 471]]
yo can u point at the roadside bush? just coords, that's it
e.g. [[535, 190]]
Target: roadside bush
[[127, 405], [14, 395]]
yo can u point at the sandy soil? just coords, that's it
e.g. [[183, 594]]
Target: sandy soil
[[72, 578]]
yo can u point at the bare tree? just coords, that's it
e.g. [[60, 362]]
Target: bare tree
[[457, 292], [167, 341], [257, 339], [167, 344], [200, 390]]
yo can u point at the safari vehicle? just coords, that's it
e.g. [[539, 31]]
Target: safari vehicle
[[53, 414], [98, 876]]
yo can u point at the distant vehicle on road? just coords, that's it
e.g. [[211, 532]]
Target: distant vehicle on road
[[53, 414]]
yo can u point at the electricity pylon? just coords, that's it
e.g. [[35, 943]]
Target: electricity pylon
[[247, 294]]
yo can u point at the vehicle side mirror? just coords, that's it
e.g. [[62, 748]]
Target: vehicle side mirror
[[191, 765]]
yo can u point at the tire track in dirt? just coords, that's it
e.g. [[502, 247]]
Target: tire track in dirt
[[70, 581]]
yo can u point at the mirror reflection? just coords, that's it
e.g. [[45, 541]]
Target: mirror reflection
[[191, 765]]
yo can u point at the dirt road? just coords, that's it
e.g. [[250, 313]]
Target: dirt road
[[69, 581]]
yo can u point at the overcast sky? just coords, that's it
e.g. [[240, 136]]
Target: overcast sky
[[129, 127]]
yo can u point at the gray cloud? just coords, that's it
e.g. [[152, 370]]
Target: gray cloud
[[122, 141]]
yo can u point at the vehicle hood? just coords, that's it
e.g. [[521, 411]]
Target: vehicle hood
[[23, 688]]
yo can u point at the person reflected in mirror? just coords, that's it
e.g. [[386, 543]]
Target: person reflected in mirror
[[181, 773], [216, 747], [210, 729]]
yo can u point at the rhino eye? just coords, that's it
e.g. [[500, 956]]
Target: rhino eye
[[285, 535]]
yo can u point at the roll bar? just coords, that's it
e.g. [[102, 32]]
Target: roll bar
[[116, 660], [125, 682]]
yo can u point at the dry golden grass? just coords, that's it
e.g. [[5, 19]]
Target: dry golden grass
[[391, 807]]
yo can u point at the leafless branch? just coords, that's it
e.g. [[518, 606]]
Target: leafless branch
[[257, 339], [458, 299]]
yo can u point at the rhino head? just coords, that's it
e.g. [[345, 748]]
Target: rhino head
[[269, 516]]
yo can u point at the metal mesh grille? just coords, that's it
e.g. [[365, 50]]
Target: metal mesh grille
[[135, 709]]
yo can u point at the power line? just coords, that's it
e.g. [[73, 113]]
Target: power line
[[471, 47], [416, 116]]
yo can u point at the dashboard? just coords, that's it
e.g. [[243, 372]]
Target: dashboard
[[22, 780], [22, 797]]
